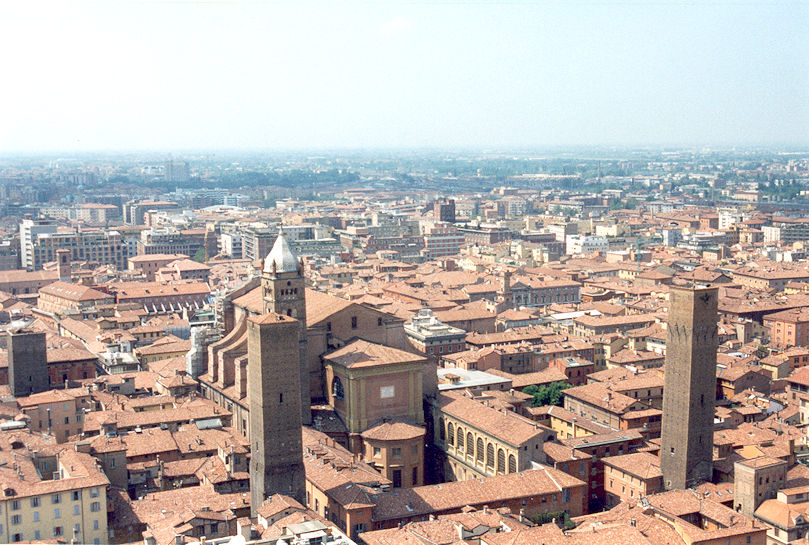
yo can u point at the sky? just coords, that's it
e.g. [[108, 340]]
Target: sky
[[275, 75]]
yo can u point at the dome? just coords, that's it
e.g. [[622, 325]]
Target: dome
[[281, 255]]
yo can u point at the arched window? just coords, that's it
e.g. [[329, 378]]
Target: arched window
[[470, 444], [512, 464], [501, 461], [490, 455], [479, 450], [450, 434], [460, 438], [442, 432], [337, 388]]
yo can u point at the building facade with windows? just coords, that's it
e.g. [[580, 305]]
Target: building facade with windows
[[479, 440], [395, 448], [52, 496], [369, 382], [39, 243], [431, 336]]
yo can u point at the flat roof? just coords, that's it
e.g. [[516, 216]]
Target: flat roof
[[468, 378]]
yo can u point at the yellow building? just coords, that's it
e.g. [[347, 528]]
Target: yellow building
[[481, 441], [564, 423], [56, 412], [604, 346], [369, 382], [46, 496], [163, 349]]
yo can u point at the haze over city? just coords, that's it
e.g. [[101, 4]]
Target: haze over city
[[404, 273], [135, 75]]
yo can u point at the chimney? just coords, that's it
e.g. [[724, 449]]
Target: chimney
[[791, 459], [245, 528]]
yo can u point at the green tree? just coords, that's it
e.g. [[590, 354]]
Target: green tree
[[561, 518], [550, 394], [199, 257]]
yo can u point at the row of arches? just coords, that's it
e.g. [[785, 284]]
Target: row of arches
[[544, 299], [484, 453]]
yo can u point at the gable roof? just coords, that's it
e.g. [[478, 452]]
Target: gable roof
[[361, 353], [319, 306], [73, 292]]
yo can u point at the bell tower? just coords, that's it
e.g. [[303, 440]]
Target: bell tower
[[282, 282], [283, 289]]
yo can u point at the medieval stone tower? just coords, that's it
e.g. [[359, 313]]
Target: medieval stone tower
[[283, 290], [689, 388], [27, 362], [276, 460]]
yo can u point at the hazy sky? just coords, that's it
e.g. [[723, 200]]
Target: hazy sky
[[173, 75]]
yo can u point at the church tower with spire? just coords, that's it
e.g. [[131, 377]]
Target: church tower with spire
[[283, 289]]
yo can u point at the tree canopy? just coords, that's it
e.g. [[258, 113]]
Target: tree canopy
[[547, 395]]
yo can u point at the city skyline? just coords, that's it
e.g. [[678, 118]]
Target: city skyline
[[377, 347]]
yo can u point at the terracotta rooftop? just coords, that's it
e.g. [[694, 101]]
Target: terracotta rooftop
[[362, 353], [640, 464], [393, 430], [507, 426], [271, 318], [73, 292], [600, 395]]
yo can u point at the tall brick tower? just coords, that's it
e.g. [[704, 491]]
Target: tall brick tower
[[284, 291], [689, 388], [276, 451], [27, 362]]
